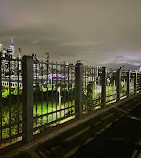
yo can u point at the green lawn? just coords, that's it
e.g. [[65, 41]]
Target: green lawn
[[38, 110]]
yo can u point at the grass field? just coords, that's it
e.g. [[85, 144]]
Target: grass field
[[38, 110]]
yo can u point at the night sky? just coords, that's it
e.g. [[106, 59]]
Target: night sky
[[95, 31]]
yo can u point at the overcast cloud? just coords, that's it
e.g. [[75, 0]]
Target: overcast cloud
[[96, 31]]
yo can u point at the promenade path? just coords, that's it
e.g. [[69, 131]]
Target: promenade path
[[114, 132]]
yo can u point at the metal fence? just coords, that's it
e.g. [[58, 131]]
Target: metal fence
[[53, 94], [123, 92], [111, 89], [10, 100], [91, 88], [37, 95]]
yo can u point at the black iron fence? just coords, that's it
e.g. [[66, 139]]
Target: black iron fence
[[10, 100], [37, 95], [53, 94], [111, 89], [91, 96]]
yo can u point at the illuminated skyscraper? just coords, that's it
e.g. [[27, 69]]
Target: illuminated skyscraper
[[11, 49]]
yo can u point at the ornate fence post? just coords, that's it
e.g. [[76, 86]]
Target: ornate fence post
[[118, 84], [103, 93], [78, 89], [135, 83], [27, 78], [128, 83]]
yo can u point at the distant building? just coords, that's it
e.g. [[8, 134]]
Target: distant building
[[36, 65], [11, 49], [0, 47], [8, 66]]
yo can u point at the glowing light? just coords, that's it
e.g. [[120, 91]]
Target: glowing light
[[12, 41]]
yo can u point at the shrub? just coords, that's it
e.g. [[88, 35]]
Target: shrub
[[5, 93]]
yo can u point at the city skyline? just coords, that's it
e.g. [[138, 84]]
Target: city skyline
[[96, 32]]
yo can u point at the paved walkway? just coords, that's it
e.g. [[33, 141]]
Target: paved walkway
[[114, 133], [121, 140]]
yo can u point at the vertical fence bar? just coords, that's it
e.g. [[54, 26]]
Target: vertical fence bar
[[37, 88], [128, 83], [52, 102], [78, 89], [42, 91], [56, 88], [47, 80], [64, 97], [9, 67], [71, 88], [118, 84], [135, 83], [140, 82], [103, 93], [0, 97], [18, 98], [27, 74], [68, 89]]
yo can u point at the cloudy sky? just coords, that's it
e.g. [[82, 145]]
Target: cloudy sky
[[95, 31]]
